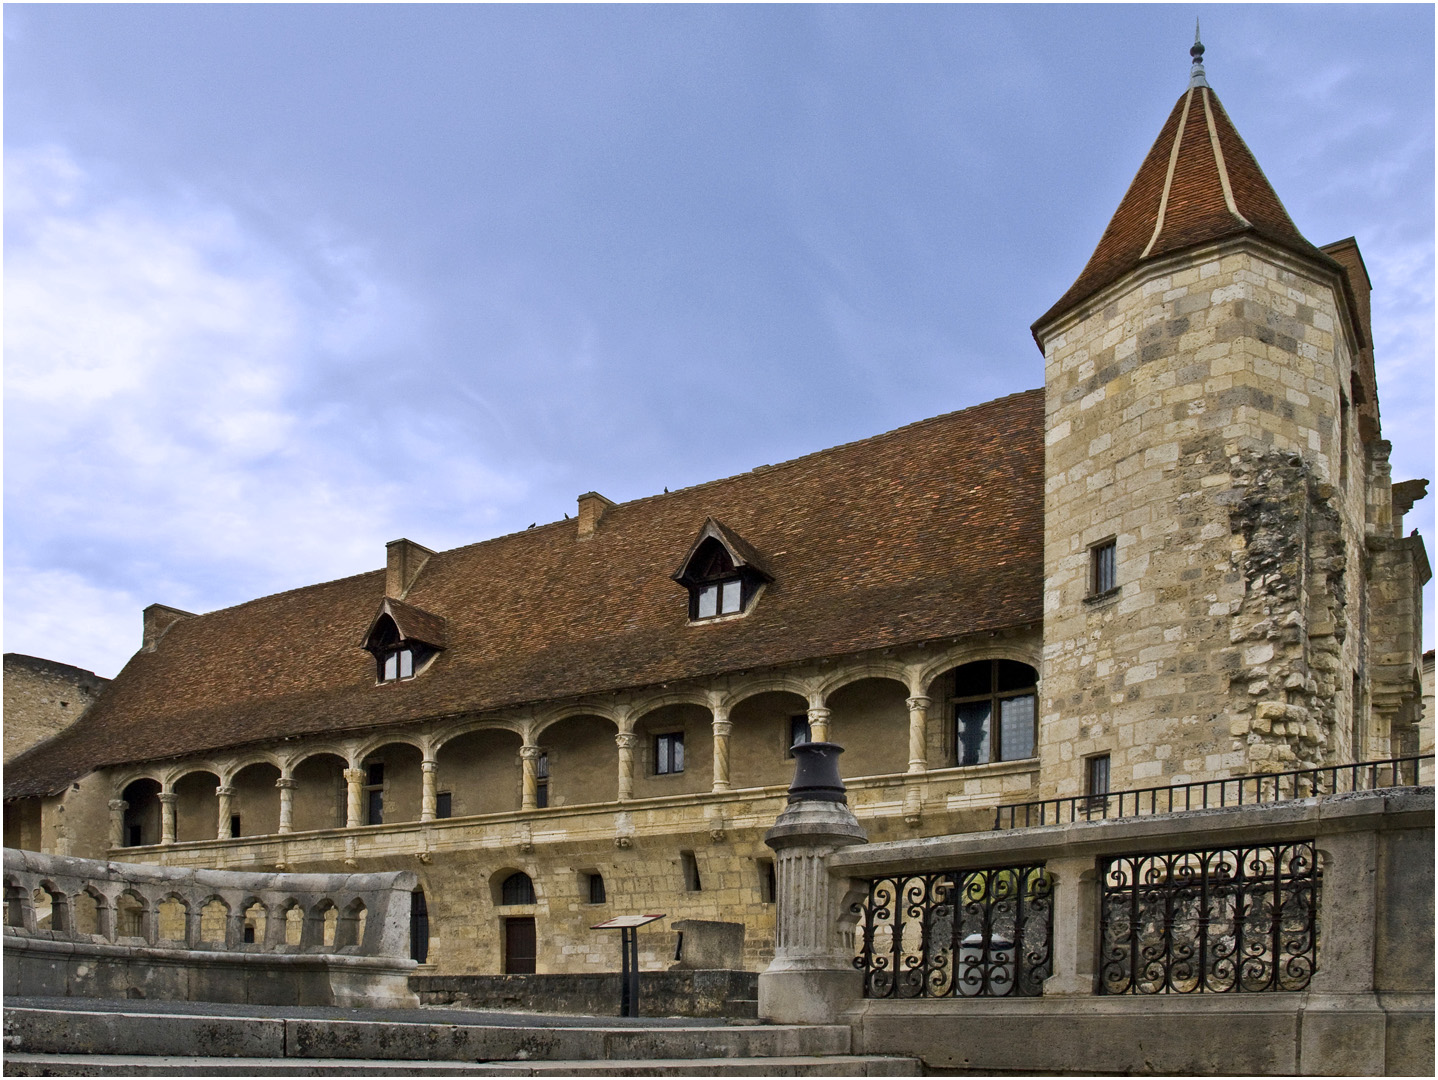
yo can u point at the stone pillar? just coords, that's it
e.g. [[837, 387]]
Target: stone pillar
[[167, 816], [223, 794], [286, 784], [117, 822], [626, 741], [428, 767], [529, 789], [818, 723], [722, 729], [1073, 919], [812, 979], [918, 734], [354, 800]]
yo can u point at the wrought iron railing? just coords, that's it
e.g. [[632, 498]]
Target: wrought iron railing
[[956, 933], [1207, 794], [1222, 920]]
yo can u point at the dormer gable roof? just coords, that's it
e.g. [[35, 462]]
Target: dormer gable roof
[[1199, 184], [741, 554], [413, 624]]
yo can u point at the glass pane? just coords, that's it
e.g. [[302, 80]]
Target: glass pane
[[973, 732], [973, 679], [678, 745], [406, 663], [708, 601], [391, 667], [1016, 676], [1098, 775], [1016, 730], [798, 730], [731, 597], [541, 767]]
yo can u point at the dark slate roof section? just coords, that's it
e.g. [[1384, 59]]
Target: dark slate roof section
[[1196, 211], [928, 532]]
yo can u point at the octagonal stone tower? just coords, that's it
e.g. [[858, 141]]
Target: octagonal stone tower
[[1211, 469]]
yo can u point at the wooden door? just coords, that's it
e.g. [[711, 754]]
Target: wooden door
[[519, 946]]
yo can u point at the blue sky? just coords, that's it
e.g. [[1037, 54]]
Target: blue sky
[[284, 283]]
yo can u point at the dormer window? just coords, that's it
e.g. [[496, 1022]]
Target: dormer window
[[722, 574], [403, 640]]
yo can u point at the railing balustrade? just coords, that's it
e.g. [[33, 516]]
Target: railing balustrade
[[1220, 920], [956, 933], [1254, 789]]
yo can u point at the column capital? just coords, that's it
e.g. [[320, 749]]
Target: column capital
[[169, 798], [224, 789], [626, 740], [429, 765], [355, 776], [531, 753], [285, 783], [819, 712], [119, 805], [723, 728], [919, 701]]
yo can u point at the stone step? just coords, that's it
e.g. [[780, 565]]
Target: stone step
[[154, 1065], [170, 1033]]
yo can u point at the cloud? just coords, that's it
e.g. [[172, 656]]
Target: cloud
[[187, 409]]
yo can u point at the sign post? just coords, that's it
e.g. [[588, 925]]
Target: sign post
[[628, 926]]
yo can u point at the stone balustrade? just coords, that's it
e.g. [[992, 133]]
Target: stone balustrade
[[80, 927]]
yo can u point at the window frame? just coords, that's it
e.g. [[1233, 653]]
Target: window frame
[[1103, 568], [795, 721], [994, 742], [664, 744]]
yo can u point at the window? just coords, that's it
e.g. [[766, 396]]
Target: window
[[541, 778], [767, 884], [721, 573], [669, 753], [518, 888], [444, 804], [798, 732], [596, 888], [690, 866], [374, 794], [396, 656], [1103, 568], [398, 664], [1097, 780], [1005, 689], [418, 927], [235, 825], [137, 836]]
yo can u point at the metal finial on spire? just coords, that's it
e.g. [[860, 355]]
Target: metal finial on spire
[[1196, 76]]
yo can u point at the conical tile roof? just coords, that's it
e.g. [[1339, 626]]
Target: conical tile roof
[[1199, 183]]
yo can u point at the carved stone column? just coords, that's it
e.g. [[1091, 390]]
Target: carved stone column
[[117, 822], [722, 729], [626, 741], [223, 794], [1073, 922], [427, 800], [286, 784], [354, 800], [167, 816], [818, 723], [529, 790], [812, 978], [918, 734]]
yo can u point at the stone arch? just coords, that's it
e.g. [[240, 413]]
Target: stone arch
[[763, 684], [172, 919], [467, 727], [256, 800], [197, 806], [321, 923], [351, 926], [480, 770], [134, 916], [214, 921], [392, 794], [581, 759], [869, 718], [142, 815], [653, 703], [654, 775], [234, 766], [984, 709], [558, 715], [760, 736], [510, 885], [417, 742], [290, 914], [321, 793], [906, 675], [1024, 651], [52, 908]]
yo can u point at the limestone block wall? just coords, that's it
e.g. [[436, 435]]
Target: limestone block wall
[[1193, 419], [43, 697]]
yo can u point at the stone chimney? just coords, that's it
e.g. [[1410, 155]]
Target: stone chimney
[[403, 562], [592, 506], [158, 619]]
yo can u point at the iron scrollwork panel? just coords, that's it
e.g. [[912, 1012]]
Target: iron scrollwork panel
[[975, 933], [1223, 920]]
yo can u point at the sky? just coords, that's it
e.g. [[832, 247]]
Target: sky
[[284, 283]]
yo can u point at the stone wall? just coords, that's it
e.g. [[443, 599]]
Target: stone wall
[[661, 993], [1193, 418], [43, 697]]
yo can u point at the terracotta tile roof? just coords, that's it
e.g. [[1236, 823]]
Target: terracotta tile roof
[[924, 533], [412, 623], [1178, 200]]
